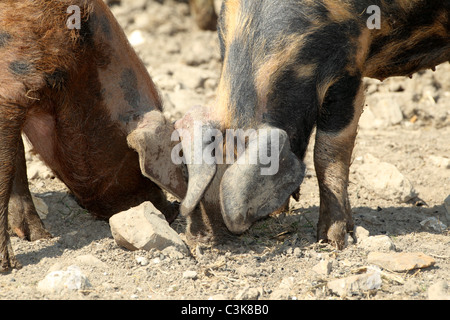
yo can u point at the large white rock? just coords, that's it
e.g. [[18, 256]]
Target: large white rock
[[71, 279], [400, 261], [143, 228], [385, 180]]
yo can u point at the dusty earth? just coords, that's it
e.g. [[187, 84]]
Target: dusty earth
[[276, 258]]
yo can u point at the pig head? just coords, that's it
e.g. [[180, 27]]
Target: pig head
[[226, 179]]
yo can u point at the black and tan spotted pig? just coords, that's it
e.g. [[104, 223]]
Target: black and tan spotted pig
[[294, 65]]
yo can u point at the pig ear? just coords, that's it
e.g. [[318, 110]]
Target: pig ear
[[249, 192], [193, 128], [152, 140]]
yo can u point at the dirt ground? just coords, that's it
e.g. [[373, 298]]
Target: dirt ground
[[276, 258]]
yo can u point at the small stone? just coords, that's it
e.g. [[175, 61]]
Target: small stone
[[380, 112], [190, 274], [361, 233], [246, 271], [433, 224], [385, 180], [173, 253], [357, 284], [248, 294], [389, 111], [400, 261], [143, 261], [440, 161], [323, 267], [90, 260], [377, 243], [297, 252], [283, 290], [439, 291]]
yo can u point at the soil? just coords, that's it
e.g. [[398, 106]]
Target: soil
[[275, 258]]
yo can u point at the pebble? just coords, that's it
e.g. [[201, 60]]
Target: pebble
[[173, 253], [90, 260], [361, 233], [357, 284], [323, 267], [71, 279], [440, 161], [143, 261], [400, 261], [190, 274], [249, 293], [297, 252], [433, 224], [283, 290], [377, 243], [385, 180], [381, 112], [144, 228]]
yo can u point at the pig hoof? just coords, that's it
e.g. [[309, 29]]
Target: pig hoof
[[9, 263], [38, 233], [334, 235], [30, 229]]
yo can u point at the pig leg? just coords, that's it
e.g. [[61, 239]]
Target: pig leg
[[23, 218], [335, 138], [11, 119]]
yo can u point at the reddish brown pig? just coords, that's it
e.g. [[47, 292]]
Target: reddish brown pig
[[76, 93]]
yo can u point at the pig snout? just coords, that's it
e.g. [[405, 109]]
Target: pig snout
[[241, 175]]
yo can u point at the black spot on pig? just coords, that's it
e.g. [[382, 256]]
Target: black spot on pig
[[128, 83], [338, 107], [20, 68], [101, 23], [4, 38]]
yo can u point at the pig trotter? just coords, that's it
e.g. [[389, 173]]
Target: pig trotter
[[11, 119], [23, 218], [7, 259]]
